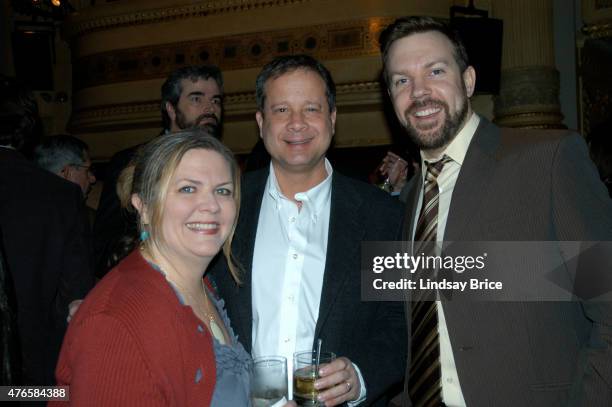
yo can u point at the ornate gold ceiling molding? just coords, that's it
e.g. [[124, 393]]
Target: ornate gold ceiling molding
[[74, 26], [237, 107], [344, 39]]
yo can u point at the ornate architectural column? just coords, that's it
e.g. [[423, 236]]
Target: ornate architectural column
[[529, 91]]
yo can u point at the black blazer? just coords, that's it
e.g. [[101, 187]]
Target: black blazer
[[46, 240], [10, 354], [525, 185], [370, 334]]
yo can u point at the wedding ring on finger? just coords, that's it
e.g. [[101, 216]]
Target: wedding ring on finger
[[348, 386]]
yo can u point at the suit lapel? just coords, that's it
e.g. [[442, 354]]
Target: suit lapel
[[344, 230], [476, 173], [244, 246]]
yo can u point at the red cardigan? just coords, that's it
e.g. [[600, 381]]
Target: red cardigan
[[132, 343]]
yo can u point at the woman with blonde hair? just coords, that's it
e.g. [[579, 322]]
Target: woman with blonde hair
[[152, 332]]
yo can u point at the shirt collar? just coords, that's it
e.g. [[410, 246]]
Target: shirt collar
[[314, 199], [457, 149]]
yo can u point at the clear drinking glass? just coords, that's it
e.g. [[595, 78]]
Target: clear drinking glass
[[305, 374], [268, 380]]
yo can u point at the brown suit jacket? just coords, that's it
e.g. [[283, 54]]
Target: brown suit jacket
[[525, 185]]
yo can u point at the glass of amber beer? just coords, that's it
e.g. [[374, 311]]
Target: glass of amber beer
[[305, 374]]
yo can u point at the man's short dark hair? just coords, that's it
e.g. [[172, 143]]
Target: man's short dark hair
[[171, 89], [20, 124], [405, 26], [281, 65], [56, 152]]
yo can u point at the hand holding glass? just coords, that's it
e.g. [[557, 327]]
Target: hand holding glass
[[305, 374]]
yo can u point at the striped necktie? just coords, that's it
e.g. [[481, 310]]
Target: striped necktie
[[424, 383]]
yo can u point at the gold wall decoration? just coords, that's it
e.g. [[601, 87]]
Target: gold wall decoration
[[351, 97], [80, 26], [339, 40], [122, 52], [108, 128]]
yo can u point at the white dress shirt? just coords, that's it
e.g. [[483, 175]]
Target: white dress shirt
[[288, 267], [456, 150]]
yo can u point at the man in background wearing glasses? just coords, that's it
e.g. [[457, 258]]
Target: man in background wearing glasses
[[68, 157]]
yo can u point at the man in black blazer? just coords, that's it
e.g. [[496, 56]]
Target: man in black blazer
[[298, 240], [498, 185], [45, 235]]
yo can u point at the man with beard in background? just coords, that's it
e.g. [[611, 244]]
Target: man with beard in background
[[191, 96]]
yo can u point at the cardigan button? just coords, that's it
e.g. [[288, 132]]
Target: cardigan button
[[198, 376]]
